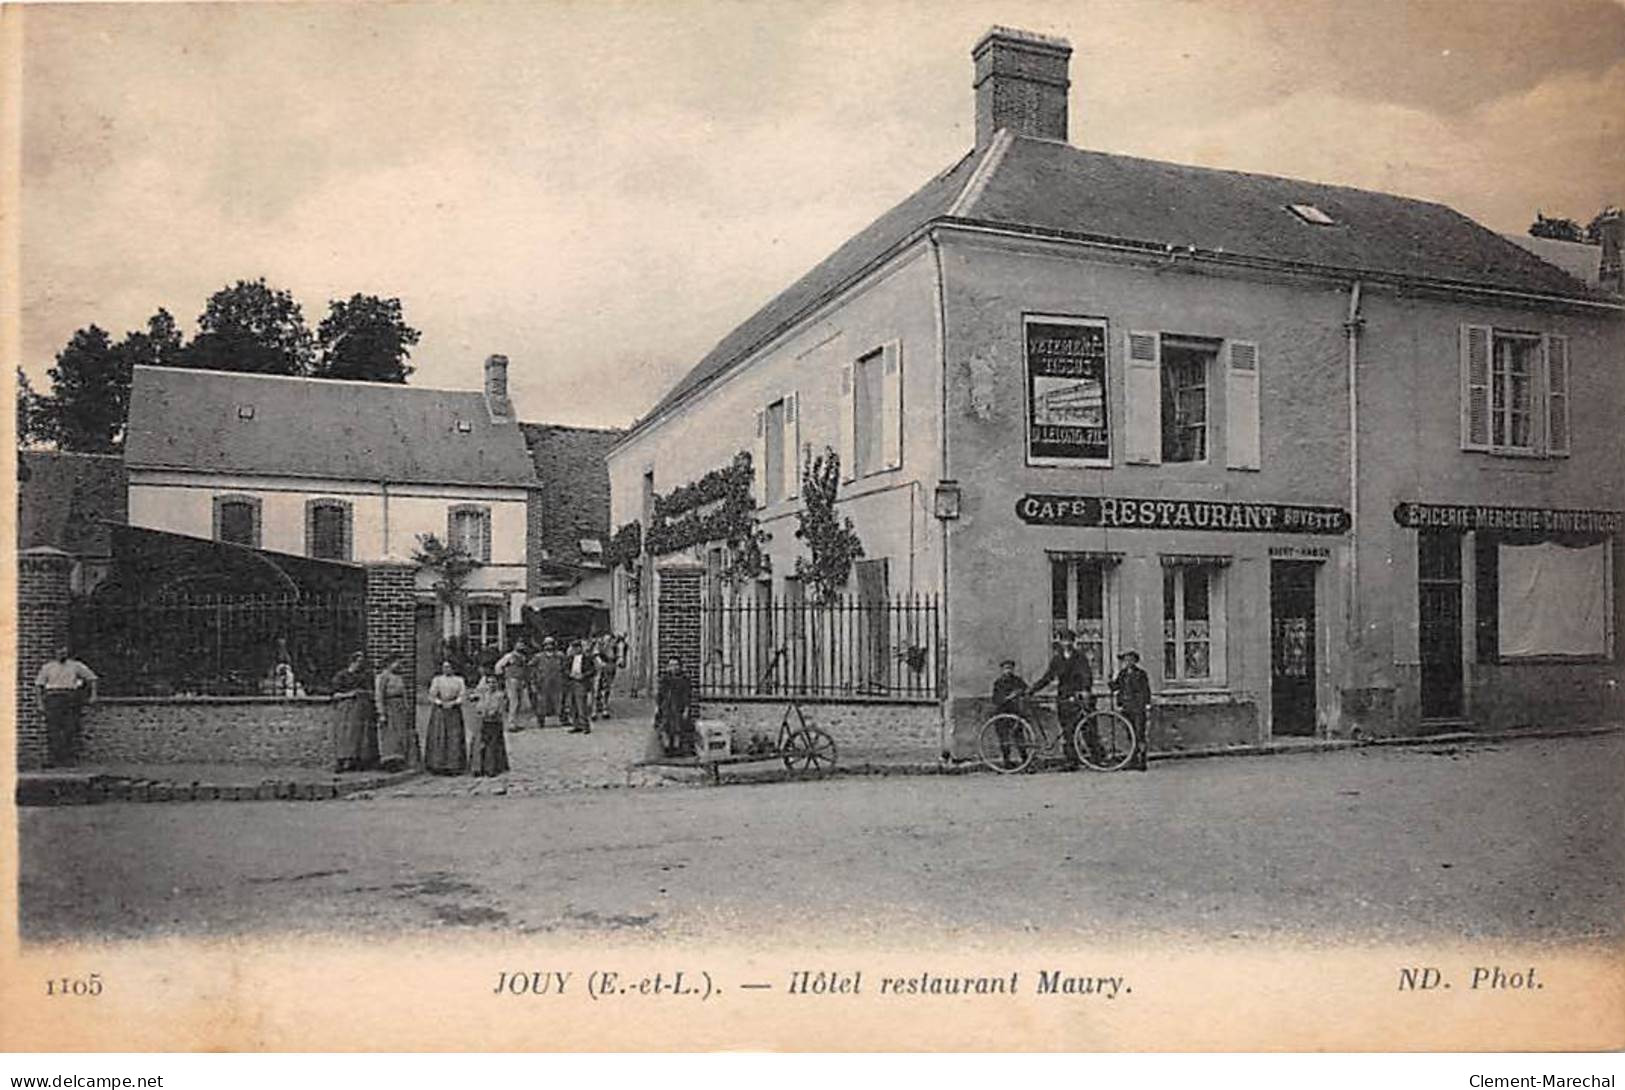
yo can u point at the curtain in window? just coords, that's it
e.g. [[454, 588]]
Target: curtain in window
[[1554, 600]]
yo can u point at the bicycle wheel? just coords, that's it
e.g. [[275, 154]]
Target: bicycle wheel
[[1104, 740], [809, 751], [1007, 743]]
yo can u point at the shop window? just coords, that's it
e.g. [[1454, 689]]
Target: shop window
[[1543, 599], [468, 526], [328, 529], [1185, 371], [1514, 392], [1080, 602], [1067, 415], [237, 520], [484, 626], [1192, 622]]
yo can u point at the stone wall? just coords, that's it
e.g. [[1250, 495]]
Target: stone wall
[[862, 731], [250, 730], [42, 626]]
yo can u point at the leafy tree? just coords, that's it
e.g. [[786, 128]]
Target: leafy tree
[[1556, 227], [365, 337], [252, 327], [832, 542], [33, 427], [90, 394], [159, 345], [1594, 228]]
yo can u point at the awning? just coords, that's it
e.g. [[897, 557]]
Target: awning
[[564, 601]]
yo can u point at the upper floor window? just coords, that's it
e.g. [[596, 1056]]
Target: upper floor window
[[327, 529], [1171, 386], [872, 413], [469, 528], [1067, 414], [1185, 368], [773, 461], [237, 520], [1514, 391], [778, 450]]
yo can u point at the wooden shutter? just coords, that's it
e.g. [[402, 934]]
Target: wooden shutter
[[1477, 341], [1557, 395], [758, 480], [848, 414], [792, 447], [1244, 441], [891, 415], [1142, 395]]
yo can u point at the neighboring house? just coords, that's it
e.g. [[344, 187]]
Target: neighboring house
[[1581, 260], [1314, 452], [69, 502], [569, 526], [342, 471]]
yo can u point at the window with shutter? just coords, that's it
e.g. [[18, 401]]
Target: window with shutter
[[468, 526], [792, 446], [891, 418], [1143, 398], [1557, 395], [237, 520], [772, 447], [868, 414], [1475, 387], [848, 437], [759, 466], [1244, 430], [327, 529]]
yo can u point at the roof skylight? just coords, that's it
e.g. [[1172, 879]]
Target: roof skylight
[[1308, 213]]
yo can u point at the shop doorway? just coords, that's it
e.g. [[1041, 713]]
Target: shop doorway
[[1292, 647], [1438, 596]]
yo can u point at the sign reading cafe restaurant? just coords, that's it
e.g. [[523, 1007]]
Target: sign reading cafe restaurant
[[1114, 512]]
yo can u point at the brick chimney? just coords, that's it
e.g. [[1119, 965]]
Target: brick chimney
[[1611, 225], [1021, 84], [496, 388]]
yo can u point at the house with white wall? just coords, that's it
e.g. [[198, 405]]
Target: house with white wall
[[342, 471]]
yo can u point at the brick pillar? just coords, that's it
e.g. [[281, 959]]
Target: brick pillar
[[42, 627], [391, 620], [679, 619]]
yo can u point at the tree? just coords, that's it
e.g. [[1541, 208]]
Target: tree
[[1594, 228], [1556, 227], [159, 345], [252, 327], [365, 338], [33, 427], [832, 543], [90, 394]]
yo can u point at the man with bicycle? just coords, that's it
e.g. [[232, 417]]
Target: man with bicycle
[[1074, 693]]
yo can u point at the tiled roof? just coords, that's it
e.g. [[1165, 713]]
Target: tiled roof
[[223, 421], [572, 488], [1581, 260], [66, 500], [1051, 187]]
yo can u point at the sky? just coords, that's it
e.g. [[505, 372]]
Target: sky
[[601, 191]]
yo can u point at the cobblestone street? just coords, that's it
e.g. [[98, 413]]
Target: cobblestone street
[[1518, 839]]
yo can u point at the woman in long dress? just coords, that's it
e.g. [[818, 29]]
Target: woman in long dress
[[443, 749], [490, 756], [354, 746], [397, 734]]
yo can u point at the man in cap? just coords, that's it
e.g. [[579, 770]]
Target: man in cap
[[1133, 689], [1074, 695]]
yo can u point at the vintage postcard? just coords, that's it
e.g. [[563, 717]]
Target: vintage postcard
[[815, 526]]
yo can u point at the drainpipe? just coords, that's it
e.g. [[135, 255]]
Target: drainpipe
[[1352, 327], [383, 488], [944, 598]]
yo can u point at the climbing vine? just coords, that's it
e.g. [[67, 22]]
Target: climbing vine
[[719, 507], [626, 546]]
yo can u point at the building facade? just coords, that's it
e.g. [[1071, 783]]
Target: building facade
[[1333, 462], [345, 471]]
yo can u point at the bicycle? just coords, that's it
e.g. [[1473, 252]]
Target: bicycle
[[1103, 739]]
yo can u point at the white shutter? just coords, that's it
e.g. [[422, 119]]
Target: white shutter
[[1477, 341], [891, 417], [792, 446], [1557, 394], [848, 411], [758, 483], [1243, 443], [1142, 394]]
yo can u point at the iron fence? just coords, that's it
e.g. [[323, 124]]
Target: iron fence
[[843, 649], [217, 645]]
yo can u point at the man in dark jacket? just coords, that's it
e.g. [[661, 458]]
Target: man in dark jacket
[[580, 669], [1074, 696], [1133, 689], [1010, 696]]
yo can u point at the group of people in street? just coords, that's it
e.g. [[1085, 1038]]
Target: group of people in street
[[375, 721], [572, 684], [1074, 681]]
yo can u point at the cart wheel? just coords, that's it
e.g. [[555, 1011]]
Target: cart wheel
[[1007, 743], [1105, 741], [810, 751]]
